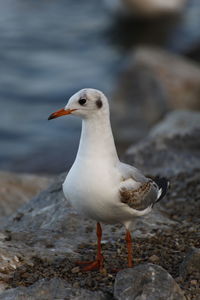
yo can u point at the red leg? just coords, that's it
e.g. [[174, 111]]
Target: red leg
[[129, 248], [98, 263], [99, 252]]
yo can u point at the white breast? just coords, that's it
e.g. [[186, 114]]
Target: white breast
[[93, 190]]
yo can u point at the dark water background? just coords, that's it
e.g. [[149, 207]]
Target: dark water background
[[48, 50]]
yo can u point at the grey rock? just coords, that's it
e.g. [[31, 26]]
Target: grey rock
[[153, 83], [171, 148], [178, 122], [17, 189], [48, 221], [191, 263], [54, 289], [146, 282]]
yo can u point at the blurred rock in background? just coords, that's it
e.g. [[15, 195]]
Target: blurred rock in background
[[145, 8], [152, 83], [17, 189]]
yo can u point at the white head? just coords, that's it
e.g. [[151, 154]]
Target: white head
[[87, 103]]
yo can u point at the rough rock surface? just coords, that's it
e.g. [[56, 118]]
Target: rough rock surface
[[153, 82], [171, 148], [51, 290], [17, 189], [146, 282], [191, 263]]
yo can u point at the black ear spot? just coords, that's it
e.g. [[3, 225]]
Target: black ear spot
[[99, 103]]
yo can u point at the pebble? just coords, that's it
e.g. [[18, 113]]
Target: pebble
[[193, 282], [154, 258], [76, 285], [75, 270], [103, 271]]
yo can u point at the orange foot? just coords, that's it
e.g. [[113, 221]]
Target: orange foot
[[91, 265]]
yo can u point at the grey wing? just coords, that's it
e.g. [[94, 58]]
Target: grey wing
[[138, 191], [141, 197], [128, 171]]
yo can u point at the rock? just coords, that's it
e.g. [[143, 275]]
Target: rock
[[49, 221], [171, 148], [145, 8], [17, 189], [191, 264], [146, 282], [154, 258], [153, 83], [194, 282], [179, 122], [49, 290]]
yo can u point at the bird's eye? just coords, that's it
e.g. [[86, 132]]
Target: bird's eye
[[82, 101]]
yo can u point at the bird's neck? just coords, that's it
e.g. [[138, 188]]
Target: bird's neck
[[97, 139]]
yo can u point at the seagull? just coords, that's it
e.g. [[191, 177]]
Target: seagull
[[99, 185]]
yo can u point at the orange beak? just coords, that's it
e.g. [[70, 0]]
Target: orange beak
[[60, 113]]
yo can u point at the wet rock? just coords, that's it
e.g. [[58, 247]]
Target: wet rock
[[17, 189], [191, 263], [49, 290], [153, 82], [172, 147], [145, 8], [146, 282]]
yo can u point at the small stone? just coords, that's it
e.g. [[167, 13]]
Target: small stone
[[75, 270], [193, 282], [119, 251], [103, 272], [13, 266], [148, 281], [16, 258], [154, 258], [76, 285]]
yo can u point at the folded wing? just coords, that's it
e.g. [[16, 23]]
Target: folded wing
[[138, 191]]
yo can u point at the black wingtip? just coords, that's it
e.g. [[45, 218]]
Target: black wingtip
[[163, 185]]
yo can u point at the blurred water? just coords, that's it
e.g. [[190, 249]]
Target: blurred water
[[50, 49]]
